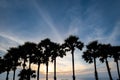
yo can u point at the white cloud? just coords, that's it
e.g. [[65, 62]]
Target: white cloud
[[13, 37], [45, 15]]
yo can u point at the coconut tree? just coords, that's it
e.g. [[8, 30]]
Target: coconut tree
[[38, 59], [115, 53], [15, 57], [7, 64], [104, 53], [30, 48], [57, 51], [46, 50], [71, 43], [27, 51], [91, 54]]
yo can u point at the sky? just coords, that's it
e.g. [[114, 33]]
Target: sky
[[35, 20]]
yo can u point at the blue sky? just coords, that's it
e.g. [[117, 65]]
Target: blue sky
[[34, 20]]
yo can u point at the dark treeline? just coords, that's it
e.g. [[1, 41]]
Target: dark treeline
[[47, 51]]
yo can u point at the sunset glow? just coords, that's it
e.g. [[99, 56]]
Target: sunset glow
[[35, 20]]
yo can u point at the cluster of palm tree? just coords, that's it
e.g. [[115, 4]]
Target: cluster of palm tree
[[47, 51], [102, 52], [42, 53]]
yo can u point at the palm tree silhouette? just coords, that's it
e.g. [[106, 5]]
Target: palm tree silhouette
[[27, 52], [38, 59], [57, 51], [46, 50], [30, 50], [91, 54], [7, 64], [104, 53], [71, 43], [15, 57], [115, 53]]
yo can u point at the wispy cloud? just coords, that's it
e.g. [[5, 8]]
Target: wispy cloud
[[45, 15], [7, 41]]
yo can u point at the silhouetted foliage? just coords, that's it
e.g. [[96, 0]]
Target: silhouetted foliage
[[47, 51], [56, 52], [104, 53], [26, 73], [2, 67], [115, 53], [15, 59], [70, 44], [91, 54]]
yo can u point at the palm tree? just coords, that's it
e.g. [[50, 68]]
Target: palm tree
[[27, 52], [30, 50], [15, 59], [104, 53], [46, 50], [71, 43], [57, 51], [115, 53], [91, 54], [8, 64], [38, 59]]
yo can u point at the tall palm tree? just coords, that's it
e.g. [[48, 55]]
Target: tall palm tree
[[7, 64], [38, 59], [30, 48], [91, 54], [71, 43], [15, 57], [115, 53], [27, 51], [23, 58], [104, 53], [46, 50], [57, 51]]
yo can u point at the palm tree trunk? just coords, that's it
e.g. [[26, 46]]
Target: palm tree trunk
[[38, 71], [46, 70], [7, 75], [73, 64], [109, 73], [29, 63], [96, 74], [55, 69], [14, 74], [24, 64], [118, 69]]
